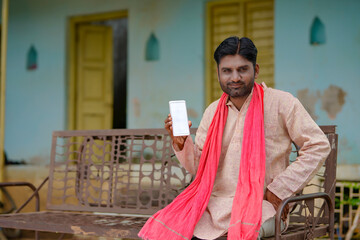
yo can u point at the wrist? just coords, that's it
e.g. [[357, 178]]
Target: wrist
[[178, 147], [179, 144]]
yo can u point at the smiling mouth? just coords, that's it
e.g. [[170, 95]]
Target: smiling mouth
[[236, 85]]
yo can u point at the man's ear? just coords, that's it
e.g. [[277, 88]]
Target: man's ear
[[217, 73], [257, 67]]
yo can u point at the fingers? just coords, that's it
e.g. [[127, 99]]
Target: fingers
[[168, 119], [168, 127], [168, 123]]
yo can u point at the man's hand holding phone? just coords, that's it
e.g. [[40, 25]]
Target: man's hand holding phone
[[178, 141], [177, 123]]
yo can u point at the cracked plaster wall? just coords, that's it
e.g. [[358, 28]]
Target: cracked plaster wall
[[332, 101], [325, 78]]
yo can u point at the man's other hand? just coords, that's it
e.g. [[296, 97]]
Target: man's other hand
[[178, 141], [275, 201]]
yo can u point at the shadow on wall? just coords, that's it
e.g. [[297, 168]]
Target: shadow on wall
[[13, 162]]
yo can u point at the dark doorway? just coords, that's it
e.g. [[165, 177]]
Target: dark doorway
[[120, 27]]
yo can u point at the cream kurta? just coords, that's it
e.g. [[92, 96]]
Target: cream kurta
[[285, 120]]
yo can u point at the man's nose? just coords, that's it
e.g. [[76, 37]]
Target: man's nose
[[236, 77]]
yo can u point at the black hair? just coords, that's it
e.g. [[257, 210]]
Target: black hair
[[234, 45]]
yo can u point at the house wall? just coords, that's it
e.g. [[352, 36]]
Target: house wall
[[325, 77], [36, 101]]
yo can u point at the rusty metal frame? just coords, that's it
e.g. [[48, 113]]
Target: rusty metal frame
[[133, 172], [35, 194], [306, 223], [24, 184], [120, 171]]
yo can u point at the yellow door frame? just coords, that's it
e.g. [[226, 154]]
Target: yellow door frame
[[73, 22], [4, 34]]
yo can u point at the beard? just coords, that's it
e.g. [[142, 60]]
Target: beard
[[238, 92]]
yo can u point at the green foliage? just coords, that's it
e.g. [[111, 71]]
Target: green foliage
[[347, 200], [353, 185], [353, 201]]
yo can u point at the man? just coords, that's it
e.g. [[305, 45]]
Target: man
[[256, 125]]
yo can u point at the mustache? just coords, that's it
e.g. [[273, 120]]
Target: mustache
[[236, 83]]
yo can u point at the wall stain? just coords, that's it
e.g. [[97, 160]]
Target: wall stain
[[333, 100], [136, 105], [39, 159], [308, 100], [192, 113]]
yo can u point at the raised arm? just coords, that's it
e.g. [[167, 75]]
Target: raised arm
[[186, 151]]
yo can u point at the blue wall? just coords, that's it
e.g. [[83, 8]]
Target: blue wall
[[36, 101], [324, 77], [316, 69]]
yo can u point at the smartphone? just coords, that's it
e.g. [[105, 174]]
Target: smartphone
[[179, 117]]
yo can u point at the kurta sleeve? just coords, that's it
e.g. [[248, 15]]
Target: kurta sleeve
[[189, 156], [314, 149]]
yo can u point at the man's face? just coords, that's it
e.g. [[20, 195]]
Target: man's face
[[237, 75]]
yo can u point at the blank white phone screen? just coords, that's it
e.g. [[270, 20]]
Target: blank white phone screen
[[179, 118]]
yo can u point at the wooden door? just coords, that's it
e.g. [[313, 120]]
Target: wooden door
[[94, 77], [243, 18]]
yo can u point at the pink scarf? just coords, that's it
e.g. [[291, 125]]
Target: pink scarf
[[177, 221]]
